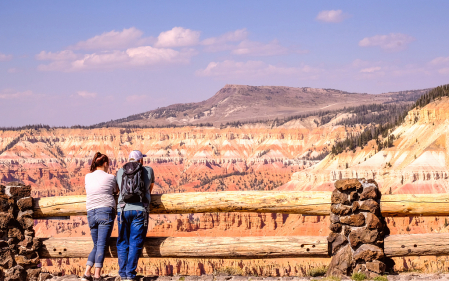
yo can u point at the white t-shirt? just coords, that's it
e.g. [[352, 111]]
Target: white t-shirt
[[99, 188]]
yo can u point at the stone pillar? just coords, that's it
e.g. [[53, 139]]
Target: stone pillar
[[357, 229], [19, 258]]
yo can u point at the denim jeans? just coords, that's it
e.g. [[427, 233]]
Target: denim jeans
[[132, 230], [101, 222]]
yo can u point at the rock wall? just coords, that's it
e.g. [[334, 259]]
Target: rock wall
[[358, 229], [19, 257]]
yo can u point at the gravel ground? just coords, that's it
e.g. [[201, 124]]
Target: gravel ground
[[399, 277]]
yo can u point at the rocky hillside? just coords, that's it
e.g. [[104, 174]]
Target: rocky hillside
[[259, 156], [55, 161], [417, 161], [249, 103]]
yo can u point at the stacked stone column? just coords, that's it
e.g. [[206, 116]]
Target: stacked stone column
[[357, 229], [18, 247]]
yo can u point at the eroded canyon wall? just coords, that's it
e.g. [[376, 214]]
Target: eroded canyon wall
[[54, 162]]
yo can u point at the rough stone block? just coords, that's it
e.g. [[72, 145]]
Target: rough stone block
[[373, 222], [370, 205], [346, 230], [335, 227], [6, 258], [29, 260], [353, 220], [5, 203], [368, 252], [15, 233], [27, 241], [27, 213], [341, 262], [25, 203], [17, 273], [369, 192], [31, 247], [341, 210], [339, 198], [355, 206], [353, 196], [17, 190], [33, 274], [373, 182], [348, 184], [334, 218], [376, 266], [5, 219], [25, 218], [44, 276], [362, 236], [360, 268], [337, 241]]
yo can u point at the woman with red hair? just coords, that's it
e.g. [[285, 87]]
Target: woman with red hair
[[101, 210]]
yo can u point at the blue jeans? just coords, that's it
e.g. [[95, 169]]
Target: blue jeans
[[101, 222], [132, 230]]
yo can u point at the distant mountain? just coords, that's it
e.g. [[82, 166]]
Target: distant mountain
[[250, 103]]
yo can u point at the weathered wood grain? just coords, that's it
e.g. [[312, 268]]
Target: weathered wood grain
[[407, 205], [431, 244], [198, 247], [289, 202]]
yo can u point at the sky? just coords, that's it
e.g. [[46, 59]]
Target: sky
[[65, 63]]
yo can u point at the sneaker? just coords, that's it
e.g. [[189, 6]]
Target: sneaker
[[98, 279], [87, 278]]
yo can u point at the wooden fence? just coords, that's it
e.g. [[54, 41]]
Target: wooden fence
[[289, 202]]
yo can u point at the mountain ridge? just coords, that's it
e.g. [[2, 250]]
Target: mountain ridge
[[245, 103]]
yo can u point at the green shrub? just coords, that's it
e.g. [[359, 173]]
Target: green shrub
[[317, 271], [358, 276], [229, 270], [380, 278]]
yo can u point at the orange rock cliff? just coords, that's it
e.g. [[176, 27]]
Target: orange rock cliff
[[190, 159]]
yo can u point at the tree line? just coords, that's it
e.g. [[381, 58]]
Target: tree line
[[386, 120]]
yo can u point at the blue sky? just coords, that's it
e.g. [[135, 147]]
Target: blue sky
[[83, 62]]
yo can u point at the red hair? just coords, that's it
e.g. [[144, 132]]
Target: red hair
[[98, 161]]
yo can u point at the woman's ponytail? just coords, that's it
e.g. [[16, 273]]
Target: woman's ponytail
[[98, 161]]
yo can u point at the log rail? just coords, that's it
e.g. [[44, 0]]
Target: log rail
[[246, 247], [287, 202]]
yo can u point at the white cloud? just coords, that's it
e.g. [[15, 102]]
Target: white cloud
[[58, 56], [233, 36], [229, 68], [371, 69], [390, 42], [9, 94], [134, 98], [253, 48], [333, 16], [86, 94], [440, 60], [443, 71], [132, 57], [178, 37], [4, 57], [111, 40]]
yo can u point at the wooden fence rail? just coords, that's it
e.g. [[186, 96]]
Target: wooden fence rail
[[246, 247], [198, 247], [287, 202]]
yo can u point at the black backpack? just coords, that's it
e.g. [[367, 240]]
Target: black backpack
[[133, 184]]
